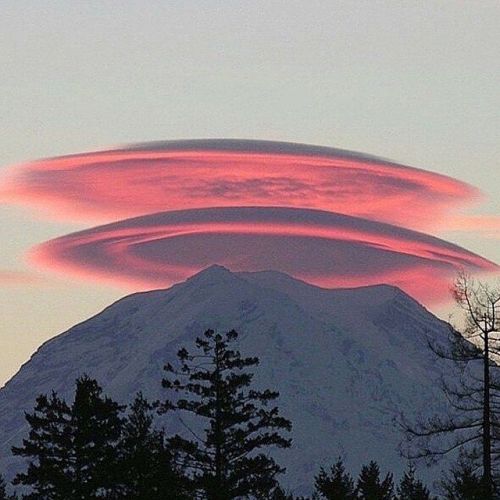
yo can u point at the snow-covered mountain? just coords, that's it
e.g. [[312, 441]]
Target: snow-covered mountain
[[345, 361]]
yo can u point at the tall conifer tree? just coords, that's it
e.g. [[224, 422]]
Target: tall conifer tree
[[369, 485], [146, 465], [96, 432], [72, 451], [411, 488], [49, 472], [225, 459], [336, 484]]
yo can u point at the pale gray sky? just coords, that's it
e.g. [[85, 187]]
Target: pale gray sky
[[413, 81]]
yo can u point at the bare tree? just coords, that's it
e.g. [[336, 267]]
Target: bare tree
[[472, 423], [481, 305]]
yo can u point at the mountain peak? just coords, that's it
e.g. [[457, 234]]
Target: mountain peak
[[213, 273]]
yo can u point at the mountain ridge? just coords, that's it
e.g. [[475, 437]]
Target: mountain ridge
[[345, 361]]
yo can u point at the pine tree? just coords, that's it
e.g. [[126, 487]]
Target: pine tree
[[335, 485], [72, 450], [369, 486], [48, 450], [96, 432], [462, 482], [146, 465], [410, 488], [226, 460]]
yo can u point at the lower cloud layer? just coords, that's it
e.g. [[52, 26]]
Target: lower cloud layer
[[323, 248]]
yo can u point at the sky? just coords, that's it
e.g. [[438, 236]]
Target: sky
[[413, 82]]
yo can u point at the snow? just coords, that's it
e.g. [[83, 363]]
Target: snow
[[345, 361]]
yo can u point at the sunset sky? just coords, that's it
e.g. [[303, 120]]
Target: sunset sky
[[411, 86]]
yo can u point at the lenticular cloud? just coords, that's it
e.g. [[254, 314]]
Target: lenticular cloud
[[176, 175], [324, 248], [328, 216]]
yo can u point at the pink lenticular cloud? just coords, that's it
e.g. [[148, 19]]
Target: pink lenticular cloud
[[324, 248], [317, 213], [138, 180]]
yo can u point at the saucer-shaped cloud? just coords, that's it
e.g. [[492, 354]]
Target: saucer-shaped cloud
[[323, 248], [175, 175]]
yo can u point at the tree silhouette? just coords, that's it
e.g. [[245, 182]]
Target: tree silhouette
[[225, 460], [369, 485], [72, 450], [336, 484], [50, 468], [481, 305], [96, 433], [410, 488], [472, 424], [462, 482], [147, 469]]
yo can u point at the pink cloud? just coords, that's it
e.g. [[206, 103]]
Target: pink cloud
[[317, 213], [328, 249], [138, 180]]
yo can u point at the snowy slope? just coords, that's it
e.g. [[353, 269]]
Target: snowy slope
[[344, 361]]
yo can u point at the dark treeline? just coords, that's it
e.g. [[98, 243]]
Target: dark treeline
[[95, 448]]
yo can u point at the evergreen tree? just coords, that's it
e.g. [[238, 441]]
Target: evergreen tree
[[146, 465], [462, 482], [226, 460], [97, 427], [49, 472], [72, 451], [369, 486], [410, 488], [335, 485]]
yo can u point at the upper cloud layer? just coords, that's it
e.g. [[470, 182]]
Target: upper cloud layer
[[327, 249], [159, 176]]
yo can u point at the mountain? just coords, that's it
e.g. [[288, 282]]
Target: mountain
[[345, 361]]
